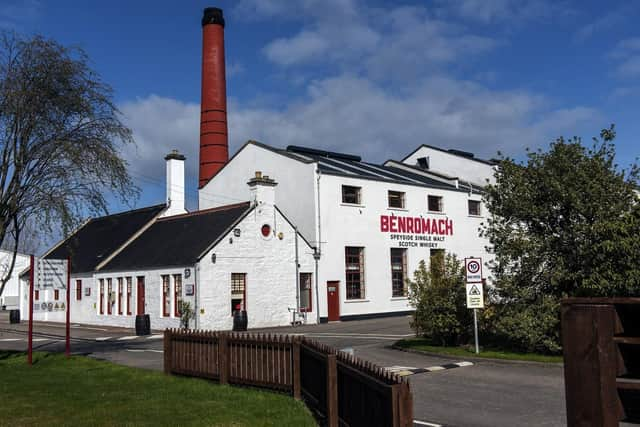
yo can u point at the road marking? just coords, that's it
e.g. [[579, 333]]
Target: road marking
[[138, 350], [362, 335], [131, 337], [352, 336], [41, 339], [155, 337], [103, 338], [404, 371], [88, 328], [10, 339], [424, 423]]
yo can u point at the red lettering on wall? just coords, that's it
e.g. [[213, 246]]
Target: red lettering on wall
[[393, 224], [434, 227], [409, 225], [402, 225], [384, 223], [449, 228], [441, 229]]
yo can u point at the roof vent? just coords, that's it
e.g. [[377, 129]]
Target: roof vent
[[461, 153], [322, 153], [423, 162]]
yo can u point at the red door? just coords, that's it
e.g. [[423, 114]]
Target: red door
[[333, 301], [140, 295]]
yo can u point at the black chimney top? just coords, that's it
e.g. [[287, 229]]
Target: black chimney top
[[212, 15]]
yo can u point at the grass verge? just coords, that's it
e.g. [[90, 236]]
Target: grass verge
[[84, 391], [422, 344]]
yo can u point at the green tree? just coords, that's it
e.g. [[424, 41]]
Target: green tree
[[564, 223], [438, 295], [60, 135]]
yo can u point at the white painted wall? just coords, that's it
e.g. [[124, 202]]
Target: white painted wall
[[175, 187], [294, 193], [10, 295], [453, 165], [349, 225], [269, 264]]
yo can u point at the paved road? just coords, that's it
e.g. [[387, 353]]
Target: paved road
[[484, 394]]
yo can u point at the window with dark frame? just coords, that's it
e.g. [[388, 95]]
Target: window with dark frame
[[238, 291], [56, 294], [434, 204], [166, 300], [398, 272], [120, 291], [78, 290], [129, 289], [396, 199], [474, 207], [306, 302], [351, 195], [354, 272], [101, 281], [177, 294], [110, 299]]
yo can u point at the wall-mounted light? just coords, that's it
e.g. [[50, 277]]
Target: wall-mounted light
[[236, 232], [213, 258], [187, 273], [280, 235]]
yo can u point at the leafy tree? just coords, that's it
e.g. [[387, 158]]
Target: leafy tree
[[438, 295], [60, 134], [565, 223]]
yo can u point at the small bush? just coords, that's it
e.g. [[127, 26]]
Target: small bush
[[438, 295]]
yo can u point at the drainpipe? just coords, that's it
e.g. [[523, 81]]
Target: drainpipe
[[196, 288], [318, 251], [295, 229]]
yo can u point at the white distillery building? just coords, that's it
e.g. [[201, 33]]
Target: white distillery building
[[370, 224], [145, 261], [10, 298]]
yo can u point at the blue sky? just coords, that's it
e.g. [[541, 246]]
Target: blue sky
[[373, 78]]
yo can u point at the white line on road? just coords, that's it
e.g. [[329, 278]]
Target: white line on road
[[351, 336], [103, 338], [424, 423], [155, 337], [10, 339], [41, 339], [131, 337], [138, 350], [86, 327], [362, 335]]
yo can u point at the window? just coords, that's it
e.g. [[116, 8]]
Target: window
[[56, 294], [129, 285], [238, 291], [101, 296], [398, 272], [351, 195], [177, 293], [354, 266], [78, 290], [474, 207], [36, 294], [166, 300], [110, 296], [396, 199], [434, 204], [305, 292], [119, 295]]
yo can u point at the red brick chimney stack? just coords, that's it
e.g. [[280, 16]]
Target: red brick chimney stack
[[214, 149]]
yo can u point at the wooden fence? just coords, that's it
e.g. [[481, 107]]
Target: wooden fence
[[601, 348], [340, 389]]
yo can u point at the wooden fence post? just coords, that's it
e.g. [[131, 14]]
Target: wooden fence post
[[223, 357], [167, 351], [296, 368], [332, 391]]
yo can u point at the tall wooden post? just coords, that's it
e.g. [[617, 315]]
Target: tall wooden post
[[31, 291], [296, 368], [167, 351], [332, 391], [223, 357]]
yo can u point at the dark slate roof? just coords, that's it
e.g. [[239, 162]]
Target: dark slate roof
[[348, 165], [459, 153], [177, 240], [100, 237]]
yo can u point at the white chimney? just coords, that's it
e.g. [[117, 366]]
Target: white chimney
[[262, 190], [175, 184]]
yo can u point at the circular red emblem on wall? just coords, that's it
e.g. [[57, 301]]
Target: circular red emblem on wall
[[266, 230]]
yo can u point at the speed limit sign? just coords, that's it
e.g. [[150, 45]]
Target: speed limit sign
[[473, 269]]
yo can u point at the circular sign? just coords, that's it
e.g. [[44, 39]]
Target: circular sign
[[473, 266], [266, 230]]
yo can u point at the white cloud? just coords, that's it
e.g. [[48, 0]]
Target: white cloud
[[508, 12], [305, 46], [16, 13], [627, 55], [605, 22]]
